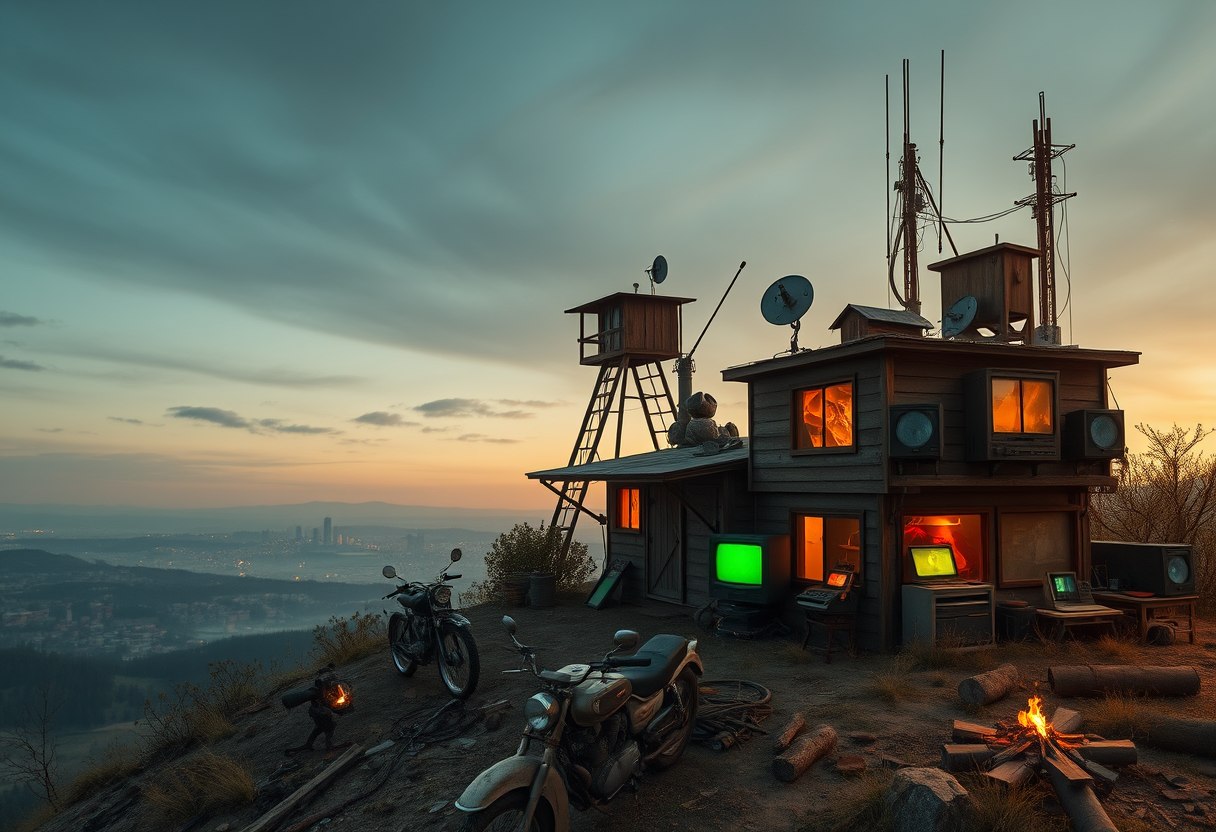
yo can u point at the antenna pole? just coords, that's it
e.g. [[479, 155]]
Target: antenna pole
[[684, 364], [941, 151], [887, 107], [911, 299]]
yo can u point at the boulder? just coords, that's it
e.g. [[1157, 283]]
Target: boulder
[[926, 800]]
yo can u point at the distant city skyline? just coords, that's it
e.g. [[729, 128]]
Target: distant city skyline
[[275, 253]]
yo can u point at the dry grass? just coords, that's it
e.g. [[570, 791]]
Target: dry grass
[[179, 721], [341, 641], [1119, 650], [118, 762], [1118, 717], [791, 653], [945, 655], [895, 687], [995, 809], [206, 783], [857, 805]]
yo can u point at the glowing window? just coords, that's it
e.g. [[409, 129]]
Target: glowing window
[[628, 508], [821, 543], [963, 532], [823, 417], [1022, 405]]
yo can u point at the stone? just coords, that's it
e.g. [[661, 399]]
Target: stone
[[926, 800], [851, 764]]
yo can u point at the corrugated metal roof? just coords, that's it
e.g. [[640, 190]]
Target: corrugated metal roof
[[668, 464], [891, 316]]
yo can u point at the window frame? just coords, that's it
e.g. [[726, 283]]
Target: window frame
[[1074, 561], [796, 421], [987, 525], [617, 514], [796, 541]]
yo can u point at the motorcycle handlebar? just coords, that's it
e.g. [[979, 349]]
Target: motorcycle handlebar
[[448, 577]]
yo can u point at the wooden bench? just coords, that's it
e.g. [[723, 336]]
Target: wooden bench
[[1057, 624]]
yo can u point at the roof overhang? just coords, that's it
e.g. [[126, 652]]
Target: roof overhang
[[653, 466]]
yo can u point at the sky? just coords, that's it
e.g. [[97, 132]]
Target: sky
[[262, 253]]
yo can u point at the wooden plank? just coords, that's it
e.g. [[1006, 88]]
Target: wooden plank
[[971, 731], [1065, 768], [321, 781]]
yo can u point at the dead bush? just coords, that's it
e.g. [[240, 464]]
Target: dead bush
[[343, 640], [205, 784]]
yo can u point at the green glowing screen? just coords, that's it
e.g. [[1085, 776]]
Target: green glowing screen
[[740, 563]]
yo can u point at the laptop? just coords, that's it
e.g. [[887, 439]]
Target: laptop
[[1065, 593], [933, 564]]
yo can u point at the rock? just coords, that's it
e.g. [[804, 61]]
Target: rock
[[851, 764], [223, 827], [926, 800]]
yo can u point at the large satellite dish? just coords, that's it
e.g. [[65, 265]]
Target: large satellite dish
[[787, 300], [958, 318], [657, 270]]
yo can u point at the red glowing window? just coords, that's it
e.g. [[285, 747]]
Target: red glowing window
[[1022, 405], [821, 543], [823, 417], [628, 508], [963, 532]]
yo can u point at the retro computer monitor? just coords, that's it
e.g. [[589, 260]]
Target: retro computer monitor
[[933, 563], [1159, 568], [749, 568], [1062, 588]]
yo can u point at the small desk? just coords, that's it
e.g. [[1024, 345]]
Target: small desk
[[1059, 624], [1178, 610], [832, 623]]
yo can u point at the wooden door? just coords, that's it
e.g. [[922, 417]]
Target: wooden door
[[664, 546]]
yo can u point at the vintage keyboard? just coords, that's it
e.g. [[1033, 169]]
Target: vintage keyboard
[[823, 599]]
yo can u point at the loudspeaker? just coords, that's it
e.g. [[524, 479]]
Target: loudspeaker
[[1094, 434], [1159, 568], [916, 431]]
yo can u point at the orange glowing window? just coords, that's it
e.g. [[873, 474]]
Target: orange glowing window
[[1022, 405], [823, 417], [628, 508], [963, 532], [821, 543]]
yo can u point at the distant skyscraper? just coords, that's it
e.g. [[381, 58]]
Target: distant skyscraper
[[329, 530], [299, 533], [316, 533]]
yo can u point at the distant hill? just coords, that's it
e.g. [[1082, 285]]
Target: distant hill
[[20, 520]]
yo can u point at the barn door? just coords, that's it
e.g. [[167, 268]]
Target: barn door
[[665, 547]]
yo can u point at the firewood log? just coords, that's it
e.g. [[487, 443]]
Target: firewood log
[[1109, 752], [1095, 680], [803, 754], [971, 731], [1194, 736], [965, 756], [792, 728], [1079, 801], [986, 688]]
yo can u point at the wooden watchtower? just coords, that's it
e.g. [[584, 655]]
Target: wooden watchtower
[[626, 336]]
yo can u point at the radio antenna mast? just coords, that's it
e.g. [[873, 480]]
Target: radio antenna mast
[[1043, 202]]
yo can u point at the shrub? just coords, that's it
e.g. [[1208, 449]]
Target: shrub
[[343, 640], [207, 783], [529, 548], [117, 762]]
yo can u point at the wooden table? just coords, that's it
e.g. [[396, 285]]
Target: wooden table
[[1058, 624], [1177, 610]]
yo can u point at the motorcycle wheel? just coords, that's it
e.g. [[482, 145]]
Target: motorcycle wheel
[[689, 691], [400, 637], [459, 665], [504, 814]]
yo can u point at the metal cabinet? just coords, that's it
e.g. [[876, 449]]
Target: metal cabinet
[[950, 615]]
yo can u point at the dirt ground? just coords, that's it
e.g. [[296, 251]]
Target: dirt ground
[[884, 712]]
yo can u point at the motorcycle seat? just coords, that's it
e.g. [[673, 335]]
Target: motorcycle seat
[[665, 653], [412, 600]]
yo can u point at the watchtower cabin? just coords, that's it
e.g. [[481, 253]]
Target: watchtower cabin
[[987, 443]]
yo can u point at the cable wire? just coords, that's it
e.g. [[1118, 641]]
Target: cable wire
[[729, 711]]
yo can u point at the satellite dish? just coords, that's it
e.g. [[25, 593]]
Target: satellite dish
[[658, 269], [787, 300], [958, 318]]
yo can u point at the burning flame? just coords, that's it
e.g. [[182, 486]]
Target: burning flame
[[338, 696], [1034, 717], [341, 698]]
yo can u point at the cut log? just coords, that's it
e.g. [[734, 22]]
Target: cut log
[[1015, 772], [1066, 720], [986, 688], [1080, 802], [1012, 752], [1110, 752], [1099, 679], [792, 728], [272, 818], [971, 731], [965, 756], [1194, 736], [1058, 764], [804, 753]]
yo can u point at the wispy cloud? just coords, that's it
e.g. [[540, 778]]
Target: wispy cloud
[[126, 420], [231, 419], [13, 319], [383, 418], [481, 437], [14, 364], [260, 376], [455, 408]]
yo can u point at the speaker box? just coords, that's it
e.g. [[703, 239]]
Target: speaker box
[[1159, 568], [1094, 434], [916, 431]]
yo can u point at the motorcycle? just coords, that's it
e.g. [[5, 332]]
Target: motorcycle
[[591, 731], [427, 627]]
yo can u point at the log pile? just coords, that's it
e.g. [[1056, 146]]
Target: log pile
[[1013, 752]]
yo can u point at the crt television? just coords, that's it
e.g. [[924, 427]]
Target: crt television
[[933, 563], [749, 568], [1012, 415], [1159, 568]]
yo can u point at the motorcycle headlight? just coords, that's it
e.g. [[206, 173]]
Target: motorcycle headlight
[[541, 711], [443, 596]]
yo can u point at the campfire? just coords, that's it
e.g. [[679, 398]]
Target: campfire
[[1014, 752], [339, 696]]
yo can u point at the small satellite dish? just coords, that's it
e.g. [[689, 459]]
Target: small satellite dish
[[658, 269], [787, 300], [957, 319]]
